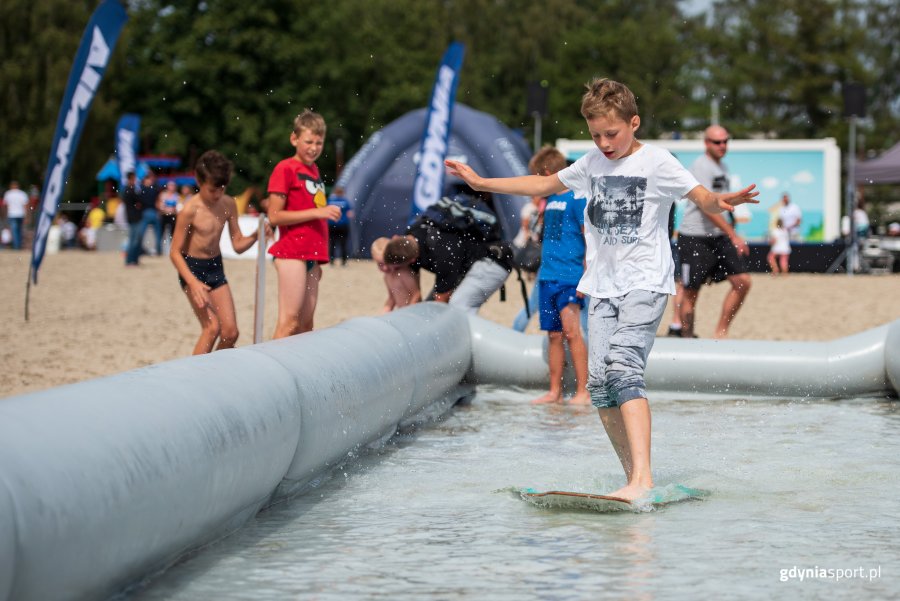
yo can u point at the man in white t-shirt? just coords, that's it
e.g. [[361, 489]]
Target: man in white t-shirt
[[791, 216], [16, 202], [710, 249]]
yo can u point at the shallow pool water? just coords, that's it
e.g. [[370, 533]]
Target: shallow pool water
[[796, 485]]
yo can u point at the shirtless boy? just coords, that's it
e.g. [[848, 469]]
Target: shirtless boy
[[195, 252]]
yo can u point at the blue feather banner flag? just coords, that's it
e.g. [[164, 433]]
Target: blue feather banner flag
[[127, 145], [429, 182], [97, 43]]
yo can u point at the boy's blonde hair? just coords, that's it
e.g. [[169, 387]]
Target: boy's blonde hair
[[605, 96], [546, 161], [312, 121], [401, 250]]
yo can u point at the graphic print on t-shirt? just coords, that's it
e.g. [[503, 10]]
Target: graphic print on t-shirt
[[720, 183], [616, 207], [315, 187]]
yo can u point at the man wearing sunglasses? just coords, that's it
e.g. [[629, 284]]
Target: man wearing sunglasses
[[711, 251]]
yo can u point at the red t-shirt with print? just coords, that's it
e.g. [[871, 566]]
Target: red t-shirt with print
[[304, 189]]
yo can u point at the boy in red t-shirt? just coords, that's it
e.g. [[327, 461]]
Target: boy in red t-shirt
[[297, 205]]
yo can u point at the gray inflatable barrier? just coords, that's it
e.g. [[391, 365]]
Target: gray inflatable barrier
[[105, 482], [865, 364]]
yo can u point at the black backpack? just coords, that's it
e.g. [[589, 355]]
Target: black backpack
[[472, 218], [464, 215]]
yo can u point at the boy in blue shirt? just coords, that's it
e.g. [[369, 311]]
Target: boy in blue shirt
[[562, 265], [630, 187]]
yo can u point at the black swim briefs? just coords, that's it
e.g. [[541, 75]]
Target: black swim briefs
[[209, 271]]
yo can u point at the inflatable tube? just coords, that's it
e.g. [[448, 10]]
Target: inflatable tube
[[114, 478], [356, 385], [892, 355], [107, 481], [7, 543], [865, 364]]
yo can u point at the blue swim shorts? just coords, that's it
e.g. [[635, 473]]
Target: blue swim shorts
[[553, 297]]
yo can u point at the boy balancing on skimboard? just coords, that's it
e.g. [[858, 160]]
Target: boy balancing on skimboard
[[630, 187]]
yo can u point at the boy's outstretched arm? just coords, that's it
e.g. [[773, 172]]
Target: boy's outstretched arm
[[524, 185], [716, 202]]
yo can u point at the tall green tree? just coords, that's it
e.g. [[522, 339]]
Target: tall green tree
[[778, 67], [880, 49], [565, 44], [231, 75]]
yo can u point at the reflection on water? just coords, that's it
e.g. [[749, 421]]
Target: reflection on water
[[803, 484]]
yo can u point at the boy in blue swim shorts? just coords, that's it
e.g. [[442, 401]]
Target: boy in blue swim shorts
[[562, 265], [630, 187]]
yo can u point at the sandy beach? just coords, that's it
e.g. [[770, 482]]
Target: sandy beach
[[90, 316]]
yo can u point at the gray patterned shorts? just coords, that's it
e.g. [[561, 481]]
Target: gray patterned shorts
[[621, 330]]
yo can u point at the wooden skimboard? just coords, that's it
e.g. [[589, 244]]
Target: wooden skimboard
[[561, 499]]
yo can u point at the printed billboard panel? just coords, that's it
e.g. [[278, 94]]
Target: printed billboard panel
[[808, 170]]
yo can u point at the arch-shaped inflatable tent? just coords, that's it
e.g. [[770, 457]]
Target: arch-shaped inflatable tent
[[378, 180]]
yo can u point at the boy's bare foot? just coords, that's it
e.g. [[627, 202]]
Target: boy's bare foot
[[581, 398], [550, 397], [631, 492]]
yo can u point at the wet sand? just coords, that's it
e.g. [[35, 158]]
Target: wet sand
[[90, 316]]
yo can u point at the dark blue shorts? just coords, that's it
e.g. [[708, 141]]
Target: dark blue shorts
[[209, 271], [553, 297]]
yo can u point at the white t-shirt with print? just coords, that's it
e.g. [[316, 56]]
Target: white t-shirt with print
[[626, 219]]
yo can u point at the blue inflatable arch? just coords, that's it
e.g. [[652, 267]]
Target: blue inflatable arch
[[378, 180]]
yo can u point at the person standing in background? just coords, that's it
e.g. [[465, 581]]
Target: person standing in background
[[791, 216], [134, 209], [94, 220], [167, 205], [562, 267], [34, 199], [15, 201], [710, 248], [779, 250], [150, 217]]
